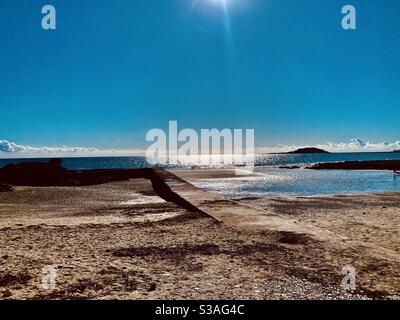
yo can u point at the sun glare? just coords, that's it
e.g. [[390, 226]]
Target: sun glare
[[223, 3], [222, 10]]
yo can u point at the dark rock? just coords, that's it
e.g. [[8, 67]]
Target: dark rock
[[55, 163], [152, 287], [289, 167], [33, 173], [4, 187], [38, 174], [393, 165]]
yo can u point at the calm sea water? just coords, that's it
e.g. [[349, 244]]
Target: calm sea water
[[269, 160], [270, 180], [301, 182]]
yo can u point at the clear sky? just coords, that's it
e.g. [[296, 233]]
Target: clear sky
[[114, 69]]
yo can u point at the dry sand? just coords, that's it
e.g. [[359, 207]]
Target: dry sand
[[120, 241]]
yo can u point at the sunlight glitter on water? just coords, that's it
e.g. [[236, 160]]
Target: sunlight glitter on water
[[301, 182]]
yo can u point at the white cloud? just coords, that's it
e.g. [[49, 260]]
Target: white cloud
[[12, 150], [355, 145], [6, 146]]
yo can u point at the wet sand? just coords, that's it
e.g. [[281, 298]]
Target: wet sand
[[119, 240]]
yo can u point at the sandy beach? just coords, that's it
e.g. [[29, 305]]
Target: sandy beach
[[120, 240]]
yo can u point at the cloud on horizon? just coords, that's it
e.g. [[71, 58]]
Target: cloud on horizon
[[355, 145], [12, 150]]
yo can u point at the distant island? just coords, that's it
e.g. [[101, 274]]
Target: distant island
[[308, 150]]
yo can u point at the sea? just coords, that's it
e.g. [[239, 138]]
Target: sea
[[269, 179]]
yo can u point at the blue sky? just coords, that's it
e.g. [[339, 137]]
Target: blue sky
[[115, 69]]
